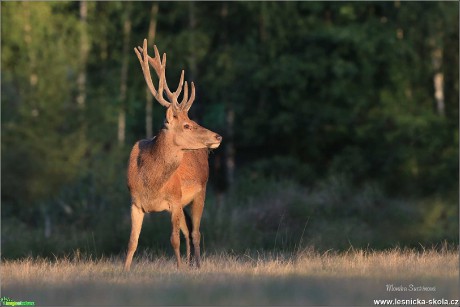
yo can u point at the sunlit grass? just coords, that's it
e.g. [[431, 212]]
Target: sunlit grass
[[249, 278]]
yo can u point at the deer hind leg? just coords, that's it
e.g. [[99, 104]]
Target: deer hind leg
[[197, 211], [137, 216], [177, 215]]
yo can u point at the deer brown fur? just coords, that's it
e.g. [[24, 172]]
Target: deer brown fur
[[170, 171]]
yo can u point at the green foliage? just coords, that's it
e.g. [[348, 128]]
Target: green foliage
[[283, 215], [41, 137]]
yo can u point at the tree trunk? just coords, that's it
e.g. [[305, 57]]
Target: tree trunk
[[31, 56], [192, 62], [230, 146], [84, 50], [124, 75], [229, 116], [192, 26], [438, 80], [149, 98]]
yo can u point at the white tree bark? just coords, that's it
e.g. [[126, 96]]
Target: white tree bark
[[149, 98], [84, 50], [124, 76]]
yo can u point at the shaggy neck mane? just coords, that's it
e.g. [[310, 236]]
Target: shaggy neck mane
[[165, 158]]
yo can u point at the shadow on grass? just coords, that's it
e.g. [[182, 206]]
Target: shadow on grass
[[216, 289]]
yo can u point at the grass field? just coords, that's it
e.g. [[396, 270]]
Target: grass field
[[355, 277]]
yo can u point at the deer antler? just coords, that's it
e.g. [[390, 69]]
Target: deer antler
[[148, 78], [160, 67]]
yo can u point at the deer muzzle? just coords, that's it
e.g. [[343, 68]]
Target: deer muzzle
[[216, 143]]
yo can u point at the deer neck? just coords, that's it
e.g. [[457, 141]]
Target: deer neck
[[167, 157]]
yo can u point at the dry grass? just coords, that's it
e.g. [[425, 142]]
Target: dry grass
[[351, 278]]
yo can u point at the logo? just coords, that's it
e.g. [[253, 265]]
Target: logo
[[6, 301]]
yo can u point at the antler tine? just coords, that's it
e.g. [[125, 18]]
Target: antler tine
[[157, 54], [184, 99], [144, 61], [189, 103], [179, 86]]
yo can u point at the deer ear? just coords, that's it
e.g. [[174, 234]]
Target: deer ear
[[170, 114]]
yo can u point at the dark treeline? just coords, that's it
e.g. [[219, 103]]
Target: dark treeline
[[340, 121]]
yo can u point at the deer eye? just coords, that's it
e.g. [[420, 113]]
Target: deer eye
[[186, 126]]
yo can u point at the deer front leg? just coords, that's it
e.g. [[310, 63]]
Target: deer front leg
[[186, 233], [137, 216], [176, 216], [197, 211]]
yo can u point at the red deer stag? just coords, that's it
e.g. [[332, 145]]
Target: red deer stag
[[171, 170]]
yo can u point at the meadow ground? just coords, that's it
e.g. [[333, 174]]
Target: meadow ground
[[352, 278]]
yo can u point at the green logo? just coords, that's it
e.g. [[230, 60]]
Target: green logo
[[6, 301]]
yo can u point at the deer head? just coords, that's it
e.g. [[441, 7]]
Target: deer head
[[186, 133]]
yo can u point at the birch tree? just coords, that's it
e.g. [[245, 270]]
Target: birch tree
[[148, 96], [124, 73]]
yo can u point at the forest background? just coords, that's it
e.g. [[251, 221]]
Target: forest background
[[339, 119]]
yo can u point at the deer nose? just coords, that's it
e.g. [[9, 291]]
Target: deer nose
[[219, 138]]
